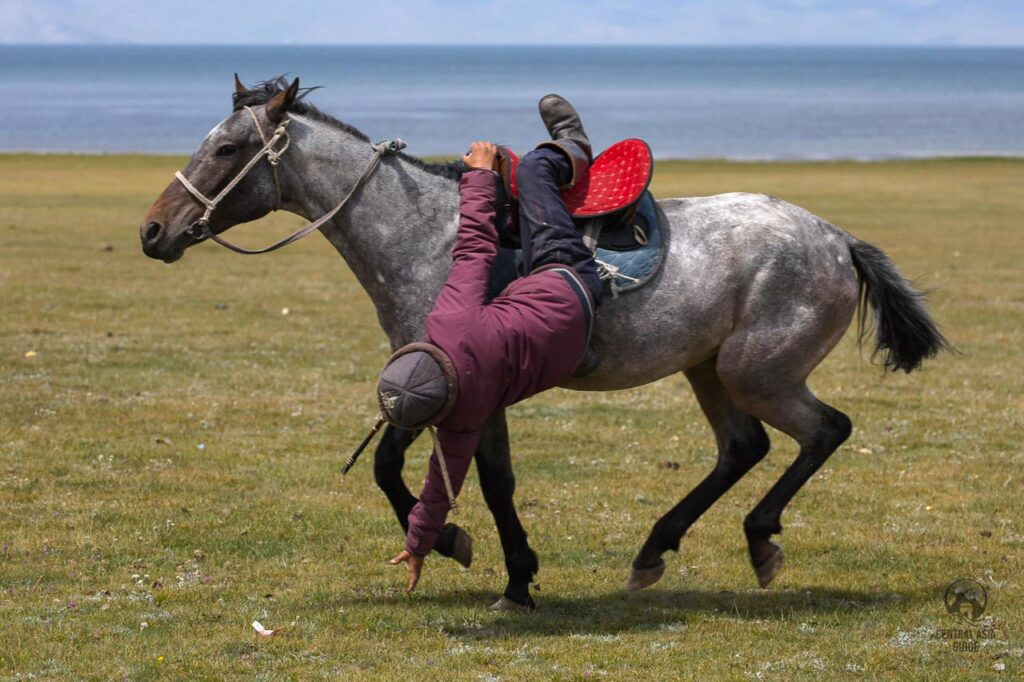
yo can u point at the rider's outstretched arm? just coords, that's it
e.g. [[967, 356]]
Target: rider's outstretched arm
[[476, 243]]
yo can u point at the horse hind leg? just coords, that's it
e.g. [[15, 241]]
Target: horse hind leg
[[819, 429], [742, 443], [773, 389]]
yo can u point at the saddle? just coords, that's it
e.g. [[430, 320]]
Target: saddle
[[611, 206], [614, 181]]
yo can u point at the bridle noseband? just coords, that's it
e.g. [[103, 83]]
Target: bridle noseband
[[200, 229]]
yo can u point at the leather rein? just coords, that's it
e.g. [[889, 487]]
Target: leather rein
[[200, 229]]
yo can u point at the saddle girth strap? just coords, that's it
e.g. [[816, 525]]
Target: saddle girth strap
[[591, 233]]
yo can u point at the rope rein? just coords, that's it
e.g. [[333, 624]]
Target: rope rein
[[200, 229]]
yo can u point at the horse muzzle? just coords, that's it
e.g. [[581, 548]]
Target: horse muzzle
[[155, 244]]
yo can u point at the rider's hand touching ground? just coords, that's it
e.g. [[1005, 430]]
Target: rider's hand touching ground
[[415, 565]]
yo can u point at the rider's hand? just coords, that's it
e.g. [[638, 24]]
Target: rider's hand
[[481, 155], [415, 565]]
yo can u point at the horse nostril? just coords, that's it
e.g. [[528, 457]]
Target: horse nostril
[[153, 230]]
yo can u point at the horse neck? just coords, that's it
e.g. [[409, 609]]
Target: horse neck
[[395, 234]]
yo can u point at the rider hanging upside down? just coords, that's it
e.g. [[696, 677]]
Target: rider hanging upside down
[[481, 357]]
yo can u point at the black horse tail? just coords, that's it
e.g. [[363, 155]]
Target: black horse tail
[[905, 333]]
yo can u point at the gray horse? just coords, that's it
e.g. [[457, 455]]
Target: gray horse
[[753, 294]]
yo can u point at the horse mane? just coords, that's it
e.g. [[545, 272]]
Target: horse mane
[[262, 92]]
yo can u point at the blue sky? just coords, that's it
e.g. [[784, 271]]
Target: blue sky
[[683, 22]]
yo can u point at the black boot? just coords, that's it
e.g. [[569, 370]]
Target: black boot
[[567, 134], [562, 121]]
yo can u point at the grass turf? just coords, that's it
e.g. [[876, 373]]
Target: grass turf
[[171, 444]]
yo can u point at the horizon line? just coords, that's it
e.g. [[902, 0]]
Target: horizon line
[[523, 45]]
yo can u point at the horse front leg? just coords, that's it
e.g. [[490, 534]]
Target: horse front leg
[[389, 459], [498, 483]]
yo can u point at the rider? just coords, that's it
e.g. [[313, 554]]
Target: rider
[[481, 357]]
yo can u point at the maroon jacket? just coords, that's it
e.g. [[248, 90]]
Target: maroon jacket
[[527, 340]]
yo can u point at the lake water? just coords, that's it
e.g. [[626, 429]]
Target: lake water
[[745, 103]]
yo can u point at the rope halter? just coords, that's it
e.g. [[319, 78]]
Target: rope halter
[[200, 229]]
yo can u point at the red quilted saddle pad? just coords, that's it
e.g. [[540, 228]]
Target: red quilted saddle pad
[[616, 179]]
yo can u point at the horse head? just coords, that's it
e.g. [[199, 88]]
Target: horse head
[[182, 215]]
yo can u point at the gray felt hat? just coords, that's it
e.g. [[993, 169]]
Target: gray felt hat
[[417, 387]]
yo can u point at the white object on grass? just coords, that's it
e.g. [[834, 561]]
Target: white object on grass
[[258, 627]]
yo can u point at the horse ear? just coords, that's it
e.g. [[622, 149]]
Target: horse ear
[[279, 105], [240, 89]]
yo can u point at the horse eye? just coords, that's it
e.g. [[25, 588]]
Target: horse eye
[[226, 150]]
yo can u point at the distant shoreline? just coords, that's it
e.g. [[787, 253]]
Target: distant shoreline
[[739, 104]]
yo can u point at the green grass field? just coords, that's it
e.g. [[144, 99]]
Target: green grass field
[[172, 441]]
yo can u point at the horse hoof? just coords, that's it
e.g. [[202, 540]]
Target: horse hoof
[[462, 550], [768, 568], [640, 578], [506, 604]]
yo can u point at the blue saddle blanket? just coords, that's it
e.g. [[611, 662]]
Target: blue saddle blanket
[[626, 267]]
